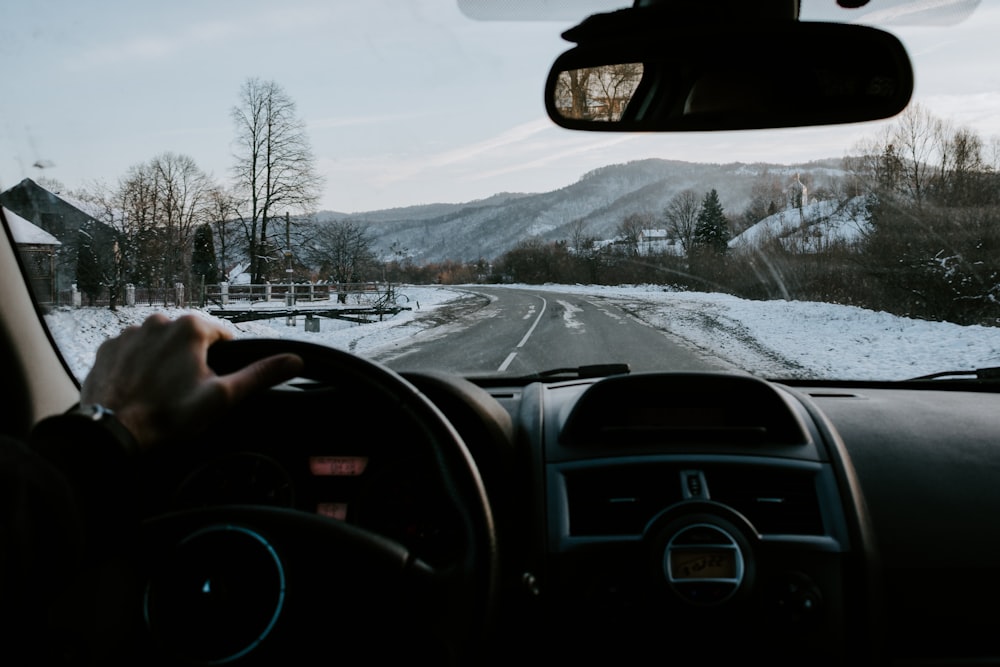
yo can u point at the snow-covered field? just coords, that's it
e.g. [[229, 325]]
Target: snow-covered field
[[769, 338], [808, 339]]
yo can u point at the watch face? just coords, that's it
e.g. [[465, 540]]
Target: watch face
[[94, 411], [102, 415]]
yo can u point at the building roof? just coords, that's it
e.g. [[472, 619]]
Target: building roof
[[26, 233]]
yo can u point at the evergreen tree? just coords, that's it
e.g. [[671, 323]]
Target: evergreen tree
[[89, 277], [99, 262], [711, 231], [203, 262]]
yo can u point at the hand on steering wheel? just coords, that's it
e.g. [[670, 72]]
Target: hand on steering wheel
[[254, 583]]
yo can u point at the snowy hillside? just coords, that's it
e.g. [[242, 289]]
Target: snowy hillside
[[811, 228]]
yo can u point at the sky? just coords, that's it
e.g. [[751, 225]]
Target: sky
[[776, 339], [404, 101]]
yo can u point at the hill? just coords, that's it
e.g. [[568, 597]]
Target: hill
[[599, 201], [811, 227]]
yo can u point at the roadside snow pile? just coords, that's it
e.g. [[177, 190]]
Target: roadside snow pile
[[79, 331]]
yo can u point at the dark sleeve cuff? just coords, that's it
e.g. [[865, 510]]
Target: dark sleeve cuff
[[96, 458]]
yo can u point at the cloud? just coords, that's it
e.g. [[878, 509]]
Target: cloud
[[513, 136], [975, 110], [395, 169]]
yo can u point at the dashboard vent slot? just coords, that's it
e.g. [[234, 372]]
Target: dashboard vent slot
[[623, 499], [776, 502], [619, 500]]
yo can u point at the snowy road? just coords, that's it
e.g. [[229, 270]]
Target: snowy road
[[524, 331]]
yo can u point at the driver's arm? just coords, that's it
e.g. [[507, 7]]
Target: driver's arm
[[67, 494], [148, 386]]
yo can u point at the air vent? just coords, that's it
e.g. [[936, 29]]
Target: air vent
[[623, 499], [619, 500], [775, 501]]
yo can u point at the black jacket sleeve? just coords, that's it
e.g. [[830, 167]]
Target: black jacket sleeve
[[64, 505]]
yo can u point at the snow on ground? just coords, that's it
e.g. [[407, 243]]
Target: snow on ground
[[79, 331], [768, 338], [806, 339]]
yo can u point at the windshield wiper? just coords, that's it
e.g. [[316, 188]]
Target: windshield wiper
[[989, 374], [577, 372], [566, 373]]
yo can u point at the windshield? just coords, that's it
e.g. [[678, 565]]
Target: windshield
[[381, 177]]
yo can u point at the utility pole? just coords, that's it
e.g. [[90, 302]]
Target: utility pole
[[290, 296]]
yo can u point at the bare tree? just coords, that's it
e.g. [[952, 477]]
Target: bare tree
[[630, 231], [876, 164], [917, 137], [274, 170], [343, 252], [182, 200], [681, 216], [97, 256], [580, 242], [222, 211], [597, 93], [962, 175], [571, 93]]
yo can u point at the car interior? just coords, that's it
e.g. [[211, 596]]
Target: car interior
[[592, 515]]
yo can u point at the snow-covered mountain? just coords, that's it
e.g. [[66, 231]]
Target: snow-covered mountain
[[598, 201]]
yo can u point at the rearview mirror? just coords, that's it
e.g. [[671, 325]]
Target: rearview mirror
[[727, 77]]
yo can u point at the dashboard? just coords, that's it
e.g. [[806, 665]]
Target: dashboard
[[712, 512], [702, 514], [326, 452]]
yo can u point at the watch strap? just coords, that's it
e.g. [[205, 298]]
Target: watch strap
[[106, 418]]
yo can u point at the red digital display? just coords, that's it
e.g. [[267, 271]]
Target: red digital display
[[337, 466], [332, 510]]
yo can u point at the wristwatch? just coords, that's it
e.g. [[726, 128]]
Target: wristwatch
[[99, 415]]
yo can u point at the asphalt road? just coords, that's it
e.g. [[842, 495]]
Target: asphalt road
[[522, 331]]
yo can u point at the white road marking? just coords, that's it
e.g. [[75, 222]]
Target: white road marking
[[506, 362], [534, 324], [510, 357]]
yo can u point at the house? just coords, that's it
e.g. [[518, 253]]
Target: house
[[37, 249], [657, 242], [53, 212], [61, 218]]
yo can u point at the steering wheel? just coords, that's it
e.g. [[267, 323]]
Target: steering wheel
[[255, 584]]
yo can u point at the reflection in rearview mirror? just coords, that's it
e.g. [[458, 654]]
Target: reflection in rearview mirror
[[785, 74], [597, 93]]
